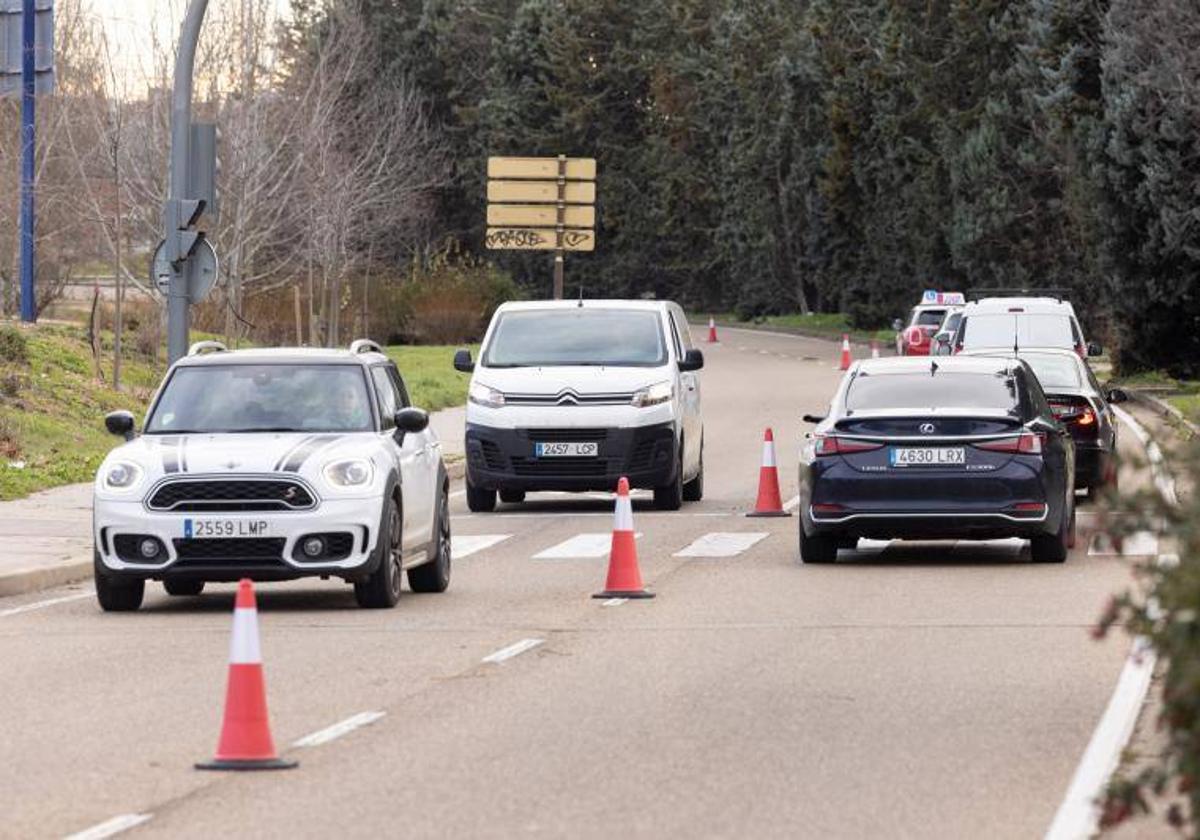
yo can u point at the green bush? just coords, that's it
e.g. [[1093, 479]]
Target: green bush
[[13, 347]]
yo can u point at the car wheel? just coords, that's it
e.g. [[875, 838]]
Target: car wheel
[[512, 497], [819, 548], [116, 594], [434, 576], [670, 496], [480, 500], [382, 589], [1054, 548], [693, 491], [183, 587]]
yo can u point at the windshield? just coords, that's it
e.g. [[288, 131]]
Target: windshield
[[263, 398], [1054, 371], [1020, 330], [923, 391], [562, 337]]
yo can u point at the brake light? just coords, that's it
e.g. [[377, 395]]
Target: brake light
[[1026, 443], [916, 337], [1016, 309], [1087, 418], [828, 508], [1031, 510], [833, 445], [1079, 415]]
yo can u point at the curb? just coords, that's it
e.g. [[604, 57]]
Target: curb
[[796, 332], [32, 580], [1163, 409]]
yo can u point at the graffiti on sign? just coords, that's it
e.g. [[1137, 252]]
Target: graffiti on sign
[[516, 238]]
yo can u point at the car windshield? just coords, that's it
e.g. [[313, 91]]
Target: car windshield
[[1054, 371], [577, 336], [930, 317], [923, 391], [1017, 329], [263, 398], [951, 323]]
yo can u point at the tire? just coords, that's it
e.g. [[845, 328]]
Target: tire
[[434, 576], [480, 500], [693, 491], [670, 496], [512, 497], [382, 589], [116, 594], [819, 548], [183, 587], [1054, 548]]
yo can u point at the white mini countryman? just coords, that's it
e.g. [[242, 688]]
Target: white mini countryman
[[274, 465]]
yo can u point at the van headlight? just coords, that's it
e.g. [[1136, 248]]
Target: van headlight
[[654, 395], [481, 394], [351, 472], [122, 476]]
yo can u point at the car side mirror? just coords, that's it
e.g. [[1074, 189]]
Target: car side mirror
[[692, 360], [812, 418], [897, 325], [412, 420], [463, 363], [120, 423], [1095, 349], [1116, 395]]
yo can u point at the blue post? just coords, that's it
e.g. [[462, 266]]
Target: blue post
[[28, 218]]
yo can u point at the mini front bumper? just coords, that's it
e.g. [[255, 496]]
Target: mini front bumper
[[358, 517]]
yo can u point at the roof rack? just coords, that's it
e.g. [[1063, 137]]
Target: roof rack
[[365, 345], [979, 294], [202, 347]]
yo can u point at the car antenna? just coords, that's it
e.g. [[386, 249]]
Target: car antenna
[[933, 368], [1016, 337], [581, 297]]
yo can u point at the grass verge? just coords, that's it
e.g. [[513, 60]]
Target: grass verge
[[429, 372], [818, 324]]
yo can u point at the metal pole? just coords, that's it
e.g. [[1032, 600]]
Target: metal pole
[[181, 121], [28, 149], [561, 217]]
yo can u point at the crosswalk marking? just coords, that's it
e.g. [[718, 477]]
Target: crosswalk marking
[[465, 545], [722, 544], [1137, 544], [579, 546]]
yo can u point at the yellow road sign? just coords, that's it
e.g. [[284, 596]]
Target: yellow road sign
[[539, 215], [542, 192], [578, 169], [538, 239]]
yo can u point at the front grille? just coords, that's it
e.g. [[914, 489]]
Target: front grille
[[215, 495], [561, 467], [565, 435], [229, 552], [568, 398], [492, 456], [642, 457]]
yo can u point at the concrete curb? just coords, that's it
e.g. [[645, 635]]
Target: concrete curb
[[794, 332], [1163, 409], [24, 581]]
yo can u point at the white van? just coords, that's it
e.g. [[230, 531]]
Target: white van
[[572, 395]]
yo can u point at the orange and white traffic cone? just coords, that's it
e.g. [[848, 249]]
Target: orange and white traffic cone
[[845, 365], [769, 501], [712, 331], [874, 349], [246, 742], [624, 576]]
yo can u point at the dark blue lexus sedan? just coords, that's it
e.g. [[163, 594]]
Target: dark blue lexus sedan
[[938, 448]]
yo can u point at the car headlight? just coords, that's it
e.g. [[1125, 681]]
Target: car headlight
[[654, 395], [483, 395], [352, 472], [122, 476]]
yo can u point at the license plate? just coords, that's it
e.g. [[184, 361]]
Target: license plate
[[928, 456], [215, 529], [566, 450]]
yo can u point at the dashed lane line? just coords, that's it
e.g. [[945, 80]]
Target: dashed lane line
[[512, 650], [464, 545], [792, 503], [580, 547], [49, 602], [110, 828], [345, 727], [722, 544]]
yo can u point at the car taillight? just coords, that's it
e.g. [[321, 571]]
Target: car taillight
[[1077, 416], [915, 337], [1028, 509], [828, 508], [1026, 443], [833, 445], [1081, 351]]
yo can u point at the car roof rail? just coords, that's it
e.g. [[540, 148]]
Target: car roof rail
[[980, 294], [201, 347], [365, 345]]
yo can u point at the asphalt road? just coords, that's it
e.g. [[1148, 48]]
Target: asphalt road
[[917, 689]]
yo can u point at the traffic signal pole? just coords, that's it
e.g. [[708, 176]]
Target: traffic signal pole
[[178, 241], [28, 159]]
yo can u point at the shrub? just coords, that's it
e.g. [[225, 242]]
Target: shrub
[[13, 347]]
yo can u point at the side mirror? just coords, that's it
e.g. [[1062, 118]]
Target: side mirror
[[1116, 395], [120, 423], [897, 325], [1095, 349], [812, 418], [692, 360], [412, 420], [463, 362]]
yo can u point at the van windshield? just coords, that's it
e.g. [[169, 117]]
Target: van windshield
[[578, 336]]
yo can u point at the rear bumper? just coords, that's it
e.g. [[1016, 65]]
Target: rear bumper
[[503, 459], [1093, 464], [930, 524]]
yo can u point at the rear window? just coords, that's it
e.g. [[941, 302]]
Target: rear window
[[1019, 330], [930, 317], [1054, 371], [925, 391]]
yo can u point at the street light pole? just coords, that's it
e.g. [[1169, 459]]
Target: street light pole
[[28, 157]]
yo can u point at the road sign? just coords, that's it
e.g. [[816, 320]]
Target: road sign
[[202, 276], [540, 215], [541, 192], [546, 168], [539, 239]]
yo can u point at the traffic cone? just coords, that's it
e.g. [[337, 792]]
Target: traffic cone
[[769, 502], [712, 331], [246, 742], [874, 349], [845, 352], [624, 576]]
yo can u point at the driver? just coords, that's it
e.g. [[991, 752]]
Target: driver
[[347, 409]]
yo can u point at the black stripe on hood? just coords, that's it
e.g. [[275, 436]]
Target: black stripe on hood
[[299, 456]]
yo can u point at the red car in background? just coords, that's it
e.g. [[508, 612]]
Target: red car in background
[[916, 337]]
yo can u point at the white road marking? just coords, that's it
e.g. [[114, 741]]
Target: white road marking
[[866, 546], [512, 650], [1137, 544], [464, 545], [792, 503], [613, 602], [50, 602], [722, 544], [109, 828], [580, 546], [332, 733], [457, 494]]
